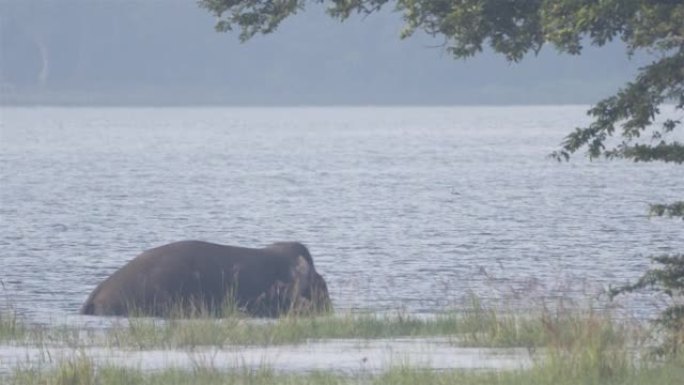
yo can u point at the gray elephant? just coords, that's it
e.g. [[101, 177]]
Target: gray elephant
[[183, 277]]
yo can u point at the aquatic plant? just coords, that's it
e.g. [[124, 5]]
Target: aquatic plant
[[11, 326]]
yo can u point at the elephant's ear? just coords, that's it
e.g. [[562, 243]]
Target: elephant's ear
[[301, 273]]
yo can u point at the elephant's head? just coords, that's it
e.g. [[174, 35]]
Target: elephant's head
[[318, 295], [306, 292]]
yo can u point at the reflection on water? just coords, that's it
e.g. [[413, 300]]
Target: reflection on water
[[402, 208], [347, 356]]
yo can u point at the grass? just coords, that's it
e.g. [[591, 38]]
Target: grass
[[82, 371], [545, 373], [291, 330], [15, 330], [476, 326], [11, 327], [568, 346]]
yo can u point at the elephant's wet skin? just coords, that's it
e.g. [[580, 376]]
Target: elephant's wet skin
[[176, 279]]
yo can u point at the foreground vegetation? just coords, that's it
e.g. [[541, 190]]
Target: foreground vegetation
[[566, 346], [572, 369], [477, 326]]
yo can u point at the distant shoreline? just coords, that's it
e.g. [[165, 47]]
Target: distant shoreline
[[282, 105]]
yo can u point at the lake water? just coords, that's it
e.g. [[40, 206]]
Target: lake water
[[353, 357], [402, 208]]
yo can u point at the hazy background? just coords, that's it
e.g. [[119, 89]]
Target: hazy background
[[166, 52]]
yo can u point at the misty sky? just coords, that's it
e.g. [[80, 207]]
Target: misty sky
[[132, 52]]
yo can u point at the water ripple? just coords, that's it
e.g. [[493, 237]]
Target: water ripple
[[402, 208]]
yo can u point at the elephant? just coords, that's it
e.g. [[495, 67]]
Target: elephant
[[180, 278]]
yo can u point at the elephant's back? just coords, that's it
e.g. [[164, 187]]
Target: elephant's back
[[182, 250], [156, 271], [175, 260]]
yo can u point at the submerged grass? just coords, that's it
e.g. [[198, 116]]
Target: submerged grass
[[235, 331], [15, 330], [11, 327], [476, 326]]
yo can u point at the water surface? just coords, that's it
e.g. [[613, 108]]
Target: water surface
[[402, 208]]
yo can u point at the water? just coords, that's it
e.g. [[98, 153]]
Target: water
[[402, 208], [346, 356]]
